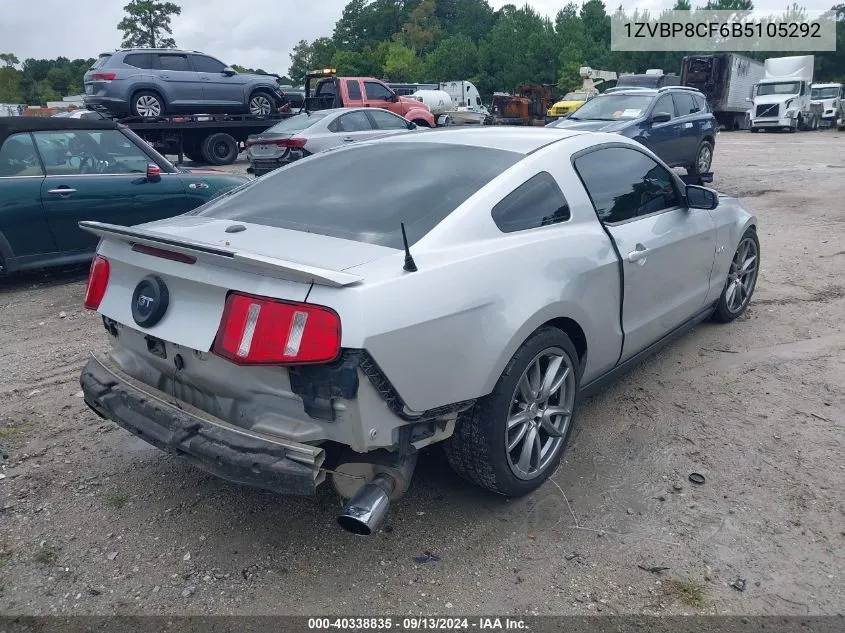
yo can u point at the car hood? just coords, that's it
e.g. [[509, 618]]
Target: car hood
[[593, 126], [766, 99], [311, 249]]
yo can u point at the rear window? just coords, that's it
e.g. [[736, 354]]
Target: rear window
[[296, 123], [101, 61], [366, 192]]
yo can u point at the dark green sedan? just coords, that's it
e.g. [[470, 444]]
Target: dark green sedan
[[55, 172]]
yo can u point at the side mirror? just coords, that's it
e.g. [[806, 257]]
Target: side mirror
[[412, 125], [661, 117], [701, 197], [228, 71], [153, 172]]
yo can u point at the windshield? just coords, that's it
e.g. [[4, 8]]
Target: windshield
[[296, 123], [824, 93], [364, 193], [615, 107], [575, 96], [783, 88]]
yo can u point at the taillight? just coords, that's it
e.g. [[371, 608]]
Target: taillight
[[294, 143], [103, 76], [261, 331], [98, 280]]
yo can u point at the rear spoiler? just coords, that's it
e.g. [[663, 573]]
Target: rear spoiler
[[135, 235], [697, 179]]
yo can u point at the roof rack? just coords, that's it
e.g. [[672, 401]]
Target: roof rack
[[690, 88]]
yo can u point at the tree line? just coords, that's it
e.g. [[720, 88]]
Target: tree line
[[420, 41]]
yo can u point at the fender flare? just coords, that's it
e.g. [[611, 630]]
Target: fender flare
[[420, 113], [149, 87]]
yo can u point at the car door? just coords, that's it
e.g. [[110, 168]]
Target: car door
[[24, 231], [180, 81], [689, 122], [218, 89], [385, 123], [663, 137], [667, 250], [377, 95], [347, 128], [101, 175]]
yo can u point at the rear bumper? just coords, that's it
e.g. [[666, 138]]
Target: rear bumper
[[219, 448], [107, 104]]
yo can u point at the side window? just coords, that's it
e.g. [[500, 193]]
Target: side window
[[354, 122], [173, 62], [205, 64], [684, 104], [665, 104], [353, 89], [384, 120], [624, 183], [139, 60], [478, 101], [537, 202], [19, 158], [700, 103], [90, 153], [377, 91]]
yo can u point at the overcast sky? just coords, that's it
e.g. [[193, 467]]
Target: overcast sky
[[253, 33]]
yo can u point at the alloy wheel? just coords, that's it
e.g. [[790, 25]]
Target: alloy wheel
[[148, 105], [260, 105], [705, 157], [540, 413], [742, 276]]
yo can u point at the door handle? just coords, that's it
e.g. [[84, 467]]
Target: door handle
[[639, 254], [348, 139], [197, 185], [62, 191]]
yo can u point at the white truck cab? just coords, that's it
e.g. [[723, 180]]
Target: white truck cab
[[827, 96], [782, 98]]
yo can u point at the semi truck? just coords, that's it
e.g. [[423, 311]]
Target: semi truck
[[827, 98], [781, 98], [727, 81]]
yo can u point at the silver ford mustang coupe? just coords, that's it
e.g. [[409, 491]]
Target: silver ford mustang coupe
[[465, 287]]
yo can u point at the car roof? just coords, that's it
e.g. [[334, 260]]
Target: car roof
[[14, 124], [522, 140]]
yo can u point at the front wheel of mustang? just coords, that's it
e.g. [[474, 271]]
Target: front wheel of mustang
[[513, 439], [742, 278]]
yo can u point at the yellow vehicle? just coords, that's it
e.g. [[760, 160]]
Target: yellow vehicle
[[571, 101]]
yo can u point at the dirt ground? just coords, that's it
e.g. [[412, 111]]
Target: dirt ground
[[94, 521]]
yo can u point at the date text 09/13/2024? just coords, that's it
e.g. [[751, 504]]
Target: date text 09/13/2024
[[417, 624]]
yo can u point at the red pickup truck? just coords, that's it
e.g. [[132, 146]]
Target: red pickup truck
[[324, 90]]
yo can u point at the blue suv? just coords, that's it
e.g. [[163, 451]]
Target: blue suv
[[674, 122]]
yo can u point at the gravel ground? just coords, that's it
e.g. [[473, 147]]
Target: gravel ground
[[95, 521]]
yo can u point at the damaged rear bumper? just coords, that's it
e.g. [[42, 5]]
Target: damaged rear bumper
[[229, 452]]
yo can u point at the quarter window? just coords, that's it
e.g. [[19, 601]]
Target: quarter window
[[353, 88], [624, 184], [139, 60], [19, 158], [92, 152], [174, 62], [377, 91], [537, 202]]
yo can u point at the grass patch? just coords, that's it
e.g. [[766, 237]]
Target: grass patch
[[13, 430], [116, 497], [46, 554], [689, 592]]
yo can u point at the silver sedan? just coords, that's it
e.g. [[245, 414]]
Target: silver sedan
[[465, 287], [311, 132]]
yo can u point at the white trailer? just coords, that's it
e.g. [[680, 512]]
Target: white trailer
[[782, 98], [727, 81]]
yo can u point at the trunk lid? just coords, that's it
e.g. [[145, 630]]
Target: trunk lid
[[258, 260]]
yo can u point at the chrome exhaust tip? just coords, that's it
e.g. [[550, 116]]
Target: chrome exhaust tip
[[366, 510]]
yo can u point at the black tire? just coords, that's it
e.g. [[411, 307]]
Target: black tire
[[704, 153], [220, 149], [477, 450], [754, 130], [263, 100], [146, 98], [725, 313]]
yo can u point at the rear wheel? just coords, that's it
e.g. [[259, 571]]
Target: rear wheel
[[703, 159], [147, 104], [220, 149], [742, 278], [513, 439]]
